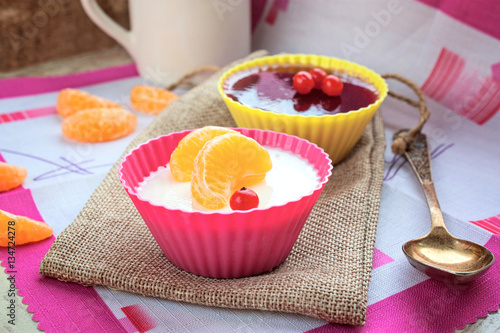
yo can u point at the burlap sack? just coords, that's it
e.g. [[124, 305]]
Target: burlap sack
[[325, 276]]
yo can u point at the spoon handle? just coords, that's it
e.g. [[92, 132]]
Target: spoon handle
[[420, 160]]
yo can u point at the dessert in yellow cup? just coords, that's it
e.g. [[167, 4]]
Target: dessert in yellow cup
[[335, 133]]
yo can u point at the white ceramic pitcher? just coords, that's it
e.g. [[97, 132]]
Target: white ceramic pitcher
[[169, 38]]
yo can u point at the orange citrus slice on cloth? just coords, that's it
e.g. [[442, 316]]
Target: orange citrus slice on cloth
[[26, 230], [11, 176], [225, 164], [71, 101], [150, 99], [99, 125], [182, 159]]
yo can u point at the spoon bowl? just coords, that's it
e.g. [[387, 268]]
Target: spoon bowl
[[447, 258], [438, 254]]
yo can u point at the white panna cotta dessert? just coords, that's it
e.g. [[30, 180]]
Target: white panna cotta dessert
[[290, 178]]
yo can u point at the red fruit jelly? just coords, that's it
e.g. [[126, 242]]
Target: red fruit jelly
[[271, 89]]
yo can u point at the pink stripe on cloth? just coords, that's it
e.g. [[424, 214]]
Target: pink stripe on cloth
[[277, 5], [450, 81], [22, 86], [139, 317], [58, 306], [28, 114], [380, 258], [479, 14], [492, 224], [432, 306], [257, 10], [495, 71]]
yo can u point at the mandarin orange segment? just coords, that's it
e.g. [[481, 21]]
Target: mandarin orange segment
[[182, 159], [26, 229], [150, 99], [225, 164], [99, 125], [11, 176], [70, 101]]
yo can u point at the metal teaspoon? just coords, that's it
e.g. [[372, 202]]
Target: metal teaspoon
[[438, 254]]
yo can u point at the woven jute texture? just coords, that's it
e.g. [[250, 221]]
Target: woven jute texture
[[325, 276]]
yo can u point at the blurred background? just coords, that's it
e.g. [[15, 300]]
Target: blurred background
[[37, 31]]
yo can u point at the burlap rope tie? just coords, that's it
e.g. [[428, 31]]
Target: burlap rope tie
[[403, 139], [184, 80]]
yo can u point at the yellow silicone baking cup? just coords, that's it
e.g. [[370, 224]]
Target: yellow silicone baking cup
[[336, 134]]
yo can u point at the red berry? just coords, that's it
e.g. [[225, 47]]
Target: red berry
[[318, 75], [244, 199], [332, 85], [303, 82]]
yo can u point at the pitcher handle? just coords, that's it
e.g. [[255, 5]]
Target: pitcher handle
[[103, 21]]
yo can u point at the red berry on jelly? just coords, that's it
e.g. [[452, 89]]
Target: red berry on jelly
[[318, 76], [332, 85], [303, 82], [244, 199]]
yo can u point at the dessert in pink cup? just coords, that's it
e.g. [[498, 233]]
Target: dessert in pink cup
[[224, 243]]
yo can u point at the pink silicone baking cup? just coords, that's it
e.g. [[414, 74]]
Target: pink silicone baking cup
[[224, 245]]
